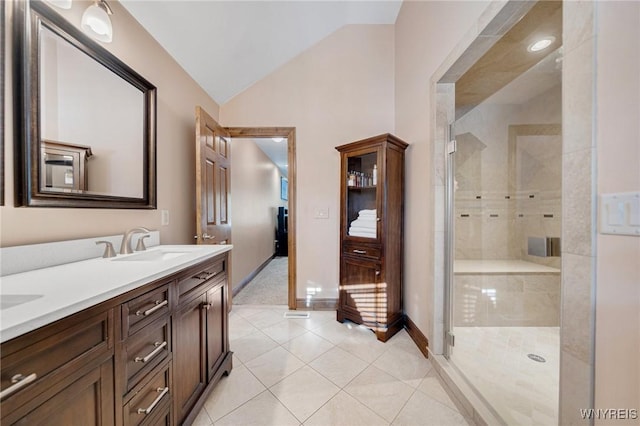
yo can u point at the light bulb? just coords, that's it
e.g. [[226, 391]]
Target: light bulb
[[541, 44], [96, 23]]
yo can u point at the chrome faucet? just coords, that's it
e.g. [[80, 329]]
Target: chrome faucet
[[125, 246]]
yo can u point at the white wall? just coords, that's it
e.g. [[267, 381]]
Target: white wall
[[178, 95], [255, 190], [339, 91], [425, 34], [618, 147]]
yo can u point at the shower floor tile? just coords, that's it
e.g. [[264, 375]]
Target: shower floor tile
[[495, 362]]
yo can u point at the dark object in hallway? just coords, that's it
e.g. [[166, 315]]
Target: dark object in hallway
[[371, 240], [282, 248]]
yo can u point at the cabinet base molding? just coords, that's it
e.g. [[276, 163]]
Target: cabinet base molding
[[317, 304], [223, 370], [417, 336]]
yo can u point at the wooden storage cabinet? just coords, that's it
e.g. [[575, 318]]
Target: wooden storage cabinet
[[148, 357], [201, 336], [68, 370], [371, 233]]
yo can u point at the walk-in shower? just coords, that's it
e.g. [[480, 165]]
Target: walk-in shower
[[504, 180]]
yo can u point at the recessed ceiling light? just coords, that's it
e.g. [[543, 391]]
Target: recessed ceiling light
[[278, 139], [541, 44]]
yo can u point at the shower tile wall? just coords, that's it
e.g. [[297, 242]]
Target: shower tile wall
[[489, 225], [508, 179]]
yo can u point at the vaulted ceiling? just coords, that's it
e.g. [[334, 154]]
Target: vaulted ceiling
[[226, 46]]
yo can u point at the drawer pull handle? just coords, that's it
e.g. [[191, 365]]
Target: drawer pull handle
[[360, 251], [159, 346], [163, 392], [206, 275], [377, 273], [19, 381], [207, 306], [158, 305]]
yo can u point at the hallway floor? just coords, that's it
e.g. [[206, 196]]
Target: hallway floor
[[317, 371], [268, 287]]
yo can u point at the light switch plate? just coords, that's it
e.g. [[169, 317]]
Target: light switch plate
[[164, 217], [322, 213], [620, 213]]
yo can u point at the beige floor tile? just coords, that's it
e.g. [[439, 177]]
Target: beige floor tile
[[345, 410], [316, 319], [411, 368], [304, 391], [364, 344], [308, 346], [381, 392], [274, 366], [432, 387], [202, 419], [422, 410], [334, 331], [232, 391], [266, 318], [240, 327], [263, 409], [338, 365], [251, 346], [284, 331]]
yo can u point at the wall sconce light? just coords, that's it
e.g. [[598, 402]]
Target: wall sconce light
[[96, 21], [62, 4], [277, 139]]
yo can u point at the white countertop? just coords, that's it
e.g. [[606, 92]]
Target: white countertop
[[508, 266], [72, 287]]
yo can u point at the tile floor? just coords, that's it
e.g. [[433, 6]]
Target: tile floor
[[317, 371], [494, 360]]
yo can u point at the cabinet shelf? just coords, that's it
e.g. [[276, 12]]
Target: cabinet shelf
[[371, 261]]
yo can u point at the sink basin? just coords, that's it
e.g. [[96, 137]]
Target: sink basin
[[10, 300], [152, 256]]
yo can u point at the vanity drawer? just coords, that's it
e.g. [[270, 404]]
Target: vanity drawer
[[143, 310], [146, 350], [42, 358], [361, 250], [188, 287], [151, 402]]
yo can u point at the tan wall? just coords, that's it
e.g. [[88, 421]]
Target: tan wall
[[255, 192], [618, 269], [178, 95], [425, 34], [339, 91]]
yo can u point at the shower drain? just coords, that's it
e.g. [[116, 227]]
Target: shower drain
[[536, 358]]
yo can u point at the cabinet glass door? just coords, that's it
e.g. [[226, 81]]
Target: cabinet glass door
[[361, 204]]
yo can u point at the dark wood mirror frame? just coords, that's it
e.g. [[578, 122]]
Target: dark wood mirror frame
[[29, 17]]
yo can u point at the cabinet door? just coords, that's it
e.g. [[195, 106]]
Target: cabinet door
[[362, 296], [216, 328], [86, 401], [189, 355], [362, 171]]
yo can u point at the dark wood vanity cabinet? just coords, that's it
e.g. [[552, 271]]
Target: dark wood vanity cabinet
[[371, 233], [148, 357], [61, 374], [200, 332]]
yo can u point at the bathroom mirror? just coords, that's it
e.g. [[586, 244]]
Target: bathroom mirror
[[86, 134]]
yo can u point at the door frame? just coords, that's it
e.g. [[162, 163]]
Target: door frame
[[290, 134]]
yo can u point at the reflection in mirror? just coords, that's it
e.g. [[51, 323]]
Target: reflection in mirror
[[82, 102], [86, 121]]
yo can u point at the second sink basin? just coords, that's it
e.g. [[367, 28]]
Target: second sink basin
[[152, 255]]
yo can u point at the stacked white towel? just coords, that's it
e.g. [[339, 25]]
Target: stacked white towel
[[365, 225]]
